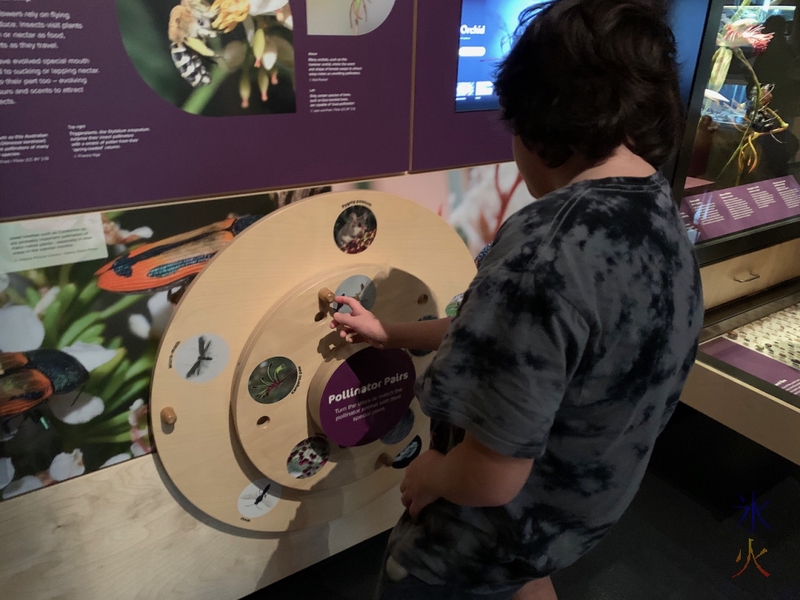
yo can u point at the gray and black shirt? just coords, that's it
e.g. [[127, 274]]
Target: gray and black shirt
[[571, 347]]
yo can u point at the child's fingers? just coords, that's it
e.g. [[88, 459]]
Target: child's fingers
[[354, 304]]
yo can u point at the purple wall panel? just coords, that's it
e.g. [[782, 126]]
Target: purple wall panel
[[444, 139], [184, 155]]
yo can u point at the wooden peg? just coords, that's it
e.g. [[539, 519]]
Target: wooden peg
[[327, 296], [168, 416]]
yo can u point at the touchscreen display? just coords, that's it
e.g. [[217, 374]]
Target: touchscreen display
[[486, 34]]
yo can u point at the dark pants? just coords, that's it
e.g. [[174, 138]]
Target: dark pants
[[411, 588]]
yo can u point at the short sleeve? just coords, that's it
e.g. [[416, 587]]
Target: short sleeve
[[505, 364]]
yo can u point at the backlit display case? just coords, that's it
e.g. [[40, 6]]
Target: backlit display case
[[738, 181]]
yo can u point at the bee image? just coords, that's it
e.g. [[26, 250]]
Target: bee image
[[171, 262], [189, 28], [256, 500], [29, 378], [262, 495]]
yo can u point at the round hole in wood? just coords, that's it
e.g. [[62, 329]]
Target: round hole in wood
[[263, 422], [423, 299]]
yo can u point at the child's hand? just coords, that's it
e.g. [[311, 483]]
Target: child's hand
[[359, 325]]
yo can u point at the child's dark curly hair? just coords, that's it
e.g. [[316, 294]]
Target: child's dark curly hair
[[585, 76]]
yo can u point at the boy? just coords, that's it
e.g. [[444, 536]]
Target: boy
[[574, 340]]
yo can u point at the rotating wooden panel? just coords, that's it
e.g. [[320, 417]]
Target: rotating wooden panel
[[250, 429]]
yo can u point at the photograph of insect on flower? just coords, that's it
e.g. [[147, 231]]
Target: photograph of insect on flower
[[78, 341], [751, 99], [214, 57], [74, 379]]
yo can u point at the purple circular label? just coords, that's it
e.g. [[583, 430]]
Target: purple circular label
[[367, 396]]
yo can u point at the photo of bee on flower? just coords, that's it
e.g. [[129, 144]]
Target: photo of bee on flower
[[214, 57]]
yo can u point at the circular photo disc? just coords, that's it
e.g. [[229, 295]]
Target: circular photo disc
[[408, 454], [355, 229], [272, 380], [258, 498], [360, 287], [308, 457], [201, 357]]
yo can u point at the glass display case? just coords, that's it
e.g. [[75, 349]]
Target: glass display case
[[738, 181]]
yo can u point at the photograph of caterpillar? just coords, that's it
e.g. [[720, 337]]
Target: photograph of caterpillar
[[216, 57]]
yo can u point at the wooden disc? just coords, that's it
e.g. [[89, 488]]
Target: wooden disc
[[253, 316]]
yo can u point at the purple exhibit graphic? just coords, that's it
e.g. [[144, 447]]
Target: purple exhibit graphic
[[723, 212], [367, 396], [755, 363], [141, 101]]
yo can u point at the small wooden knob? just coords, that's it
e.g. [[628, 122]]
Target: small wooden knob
[[168, 416], [384, 460], [326, 295]]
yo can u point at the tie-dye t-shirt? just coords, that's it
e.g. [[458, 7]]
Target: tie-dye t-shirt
[[571, 347]]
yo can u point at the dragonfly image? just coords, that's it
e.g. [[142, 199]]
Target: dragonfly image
[[203, 357]]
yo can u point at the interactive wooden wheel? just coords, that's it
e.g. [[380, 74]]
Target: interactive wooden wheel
[[264, 418]]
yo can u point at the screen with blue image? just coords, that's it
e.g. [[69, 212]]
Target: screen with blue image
[[486, 34]]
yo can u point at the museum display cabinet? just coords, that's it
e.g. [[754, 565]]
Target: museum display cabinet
[[736, 179]]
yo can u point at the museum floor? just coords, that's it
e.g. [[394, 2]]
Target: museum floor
[[707, 493]]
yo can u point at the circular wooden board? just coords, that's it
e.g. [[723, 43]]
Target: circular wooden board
[[255, 300]]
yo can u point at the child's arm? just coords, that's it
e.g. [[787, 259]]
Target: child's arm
[[469, 475], [362, 326]]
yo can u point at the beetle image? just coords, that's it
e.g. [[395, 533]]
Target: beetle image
[[170, 262], [29, 378]]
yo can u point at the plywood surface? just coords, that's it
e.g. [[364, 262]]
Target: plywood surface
[[755, 414], [271, 270], [772, 266], [120, 533]]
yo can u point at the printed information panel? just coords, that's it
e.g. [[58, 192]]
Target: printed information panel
[[755, 363], [723, 212], [115, 103], [367, 396]]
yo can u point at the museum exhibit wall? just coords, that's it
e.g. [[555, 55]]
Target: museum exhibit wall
[[169, 129], [103, 437]]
